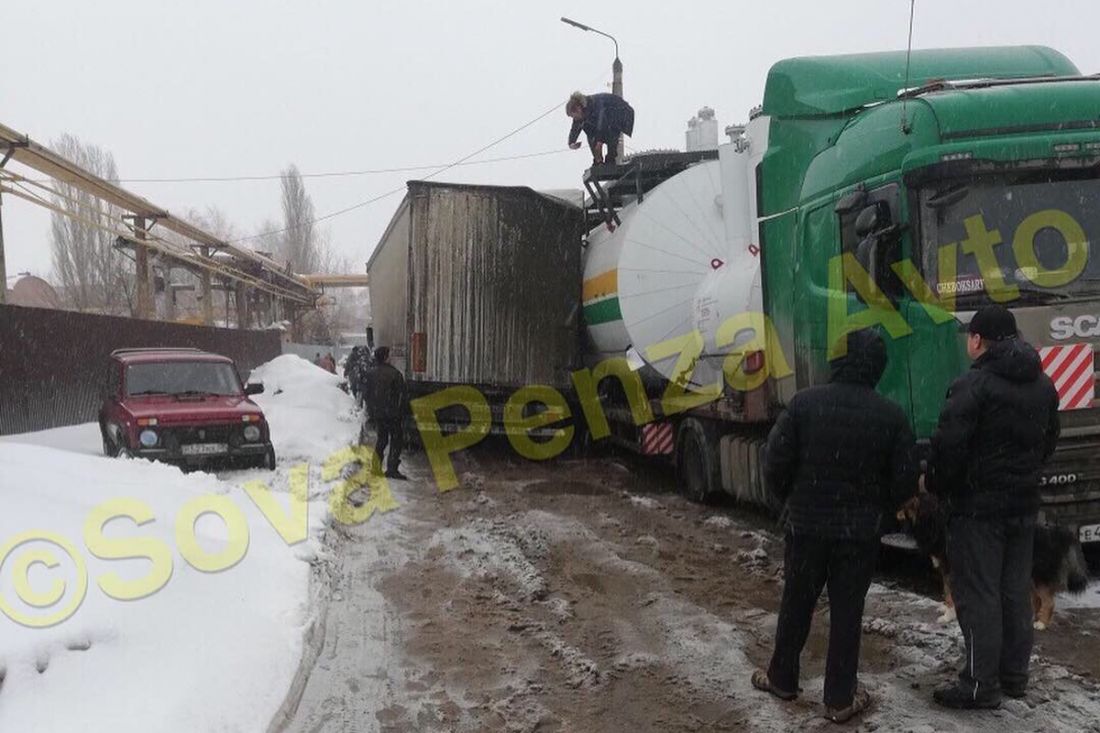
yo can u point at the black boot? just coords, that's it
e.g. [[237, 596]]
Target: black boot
[[957, 698]]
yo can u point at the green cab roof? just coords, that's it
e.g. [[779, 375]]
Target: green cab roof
[[819, 86], [1046, 107]]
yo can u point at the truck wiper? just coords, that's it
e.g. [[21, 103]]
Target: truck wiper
[[147, 392]]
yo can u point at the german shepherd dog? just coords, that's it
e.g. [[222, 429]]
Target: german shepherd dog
[[1058, 564]]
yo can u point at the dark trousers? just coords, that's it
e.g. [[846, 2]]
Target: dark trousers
[[809, 564], [990, 561], [391, 433], [611, 140]]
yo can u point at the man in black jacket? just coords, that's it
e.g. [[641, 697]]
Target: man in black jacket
[[998, 427], [603, 118], [840, 456], [387, 397]]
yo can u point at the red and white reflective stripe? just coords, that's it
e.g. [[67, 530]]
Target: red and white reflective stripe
[[1073, 371], [657, 439]]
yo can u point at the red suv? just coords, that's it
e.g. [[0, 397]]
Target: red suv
[[182, 406]]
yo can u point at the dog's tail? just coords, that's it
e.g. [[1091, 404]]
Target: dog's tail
[[1077, 572]]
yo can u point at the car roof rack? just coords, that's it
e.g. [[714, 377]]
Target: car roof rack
[[150, 349]]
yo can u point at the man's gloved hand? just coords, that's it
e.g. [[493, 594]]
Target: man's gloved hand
[[574, 146]]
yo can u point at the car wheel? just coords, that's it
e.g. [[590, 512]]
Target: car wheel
[[120, 450], [269, 459], [108, 446]]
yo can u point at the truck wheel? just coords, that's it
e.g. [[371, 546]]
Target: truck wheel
[[696, 461], [269, 459]]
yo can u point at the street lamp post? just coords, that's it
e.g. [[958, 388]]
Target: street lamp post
[[616, 69]]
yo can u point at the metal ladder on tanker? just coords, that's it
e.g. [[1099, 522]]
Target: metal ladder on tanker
[[610, 187]]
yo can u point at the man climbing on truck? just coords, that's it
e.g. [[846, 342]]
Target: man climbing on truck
[[603, 118]]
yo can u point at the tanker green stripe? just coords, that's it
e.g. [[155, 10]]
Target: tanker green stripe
[[602, 312]]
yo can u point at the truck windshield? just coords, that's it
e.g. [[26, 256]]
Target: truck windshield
[[182, 377], [1029, 233]]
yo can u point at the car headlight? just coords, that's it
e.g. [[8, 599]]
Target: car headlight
[[148, 438], [251, 433]]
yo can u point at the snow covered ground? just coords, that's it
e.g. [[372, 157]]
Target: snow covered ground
[[201, 649]]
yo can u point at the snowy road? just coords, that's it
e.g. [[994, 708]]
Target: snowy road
[[575, 597], [568, 596]]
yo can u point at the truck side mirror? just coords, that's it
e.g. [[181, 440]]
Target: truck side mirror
[[254, 388]]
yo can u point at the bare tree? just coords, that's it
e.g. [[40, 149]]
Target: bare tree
[[213, 220], [94, 274], [299, 240], [268, 239]]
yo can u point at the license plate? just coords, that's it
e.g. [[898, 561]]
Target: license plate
[[204, 449], [1089, 533]]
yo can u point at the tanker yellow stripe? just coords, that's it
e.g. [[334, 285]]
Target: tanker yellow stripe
[[606, 283]]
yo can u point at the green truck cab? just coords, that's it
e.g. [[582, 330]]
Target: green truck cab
[[909, 193]]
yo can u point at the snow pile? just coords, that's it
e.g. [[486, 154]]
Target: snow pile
[[309, 414], [207, 650], [1089, 599], [83, 438], [719, 522]]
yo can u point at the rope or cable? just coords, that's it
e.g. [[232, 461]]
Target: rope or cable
[[391, 192], [326, 174], [340, 174], [908, 52]]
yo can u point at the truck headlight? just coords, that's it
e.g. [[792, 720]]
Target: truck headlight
[[251, 433], [148, 438]]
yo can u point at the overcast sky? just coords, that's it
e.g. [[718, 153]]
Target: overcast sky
[[244, 87]]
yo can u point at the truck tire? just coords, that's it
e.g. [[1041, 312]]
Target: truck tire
[[696, 460]]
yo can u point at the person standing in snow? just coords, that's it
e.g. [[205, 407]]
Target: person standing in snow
[[603, 118], [387, 399], [997, 428], [839, 457], [328, 363]]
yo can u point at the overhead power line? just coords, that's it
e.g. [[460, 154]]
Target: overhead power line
[[329, 174], [391, 192]]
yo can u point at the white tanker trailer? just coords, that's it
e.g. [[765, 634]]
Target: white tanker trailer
[[662, 271]]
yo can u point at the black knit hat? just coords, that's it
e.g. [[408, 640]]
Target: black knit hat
[[994, 322]]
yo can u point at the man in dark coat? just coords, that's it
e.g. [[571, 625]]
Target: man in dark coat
[[387, 399], [351, 370], [840, 456], [603, 118], [998, 427]]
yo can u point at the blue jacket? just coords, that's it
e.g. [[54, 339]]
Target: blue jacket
[[606, 116]]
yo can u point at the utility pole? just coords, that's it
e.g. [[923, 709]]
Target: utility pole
[[207, 293], [241, 293], [3, 265], [144, 295], [617, 90]]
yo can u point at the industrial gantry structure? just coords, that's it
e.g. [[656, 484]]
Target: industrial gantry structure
[[153, 233]]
